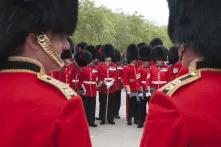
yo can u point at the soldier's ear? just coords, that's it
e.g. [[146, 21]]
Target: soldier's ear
[[31, 42]]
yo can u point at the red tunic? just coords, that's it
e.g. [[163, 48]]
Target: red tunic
[[107, 73], [131, 78], [145, 78], [188, 115], [70, 76], [55, 74], [88, 77], [119, 83], [35, 111], [176, 71], [159, 76]]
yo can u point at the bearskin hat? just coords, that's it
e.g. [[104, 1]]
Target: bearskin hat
[[66, 54], [139, 45], [92, 50], [132, 53], [173, 55], [156, 41], [18, 18], [145, 53], [117, 56], [196, 24], [80, 46], [108, 51], [83, 58], [99, 49], [159, 53]]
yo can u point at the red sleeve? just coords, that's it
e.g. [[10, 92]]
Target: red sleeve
[[70, 128], [100, 73], [166, 126], [182, 71], [163, 124], [125, 76]]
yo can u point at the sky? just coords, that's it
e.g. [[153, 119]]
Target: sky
[[155, 11]]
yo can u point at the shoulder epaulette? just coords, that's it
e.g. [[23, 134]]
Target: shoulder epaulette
[[62, 87], [176, 84]]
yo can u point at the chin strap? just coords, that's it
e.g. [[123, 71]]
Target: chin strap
[[48, 48]]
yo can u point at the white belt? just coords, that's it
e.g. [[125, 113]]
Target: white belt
[[159, 82], [89, 82], [132, 80], [143, 82], [108, 79], [75, 81]]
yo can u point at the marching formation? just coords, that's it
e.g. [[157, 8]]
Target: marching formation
[[141, 70]]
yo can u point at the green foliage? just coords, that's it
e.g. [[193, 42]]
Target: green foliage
[[99, 25]]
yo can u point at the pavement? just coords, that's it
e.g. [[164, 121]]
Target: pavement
[[118, 135]]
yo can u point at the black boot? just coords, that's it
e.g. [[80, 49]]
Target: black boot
[[129, 122], [93, 125], [111, 122], [140, 126]]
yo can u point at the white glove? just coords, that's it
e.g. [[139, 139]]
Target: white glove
[[108, 85], [140, 94], [148, 94]]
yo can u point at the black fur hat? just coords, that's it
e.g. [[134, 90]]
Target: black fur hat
[[83, 58], [117, 56], [92, 50], [66, 54], [99, 49], [173, 55], [132, 53], [159, 53], [108, 51], [139, 45], [18, 18], [80, 46], [145, 53], [196, 24], [156, 41]]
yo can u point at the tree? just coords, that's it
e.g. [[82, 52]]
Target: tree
[[99, 25]]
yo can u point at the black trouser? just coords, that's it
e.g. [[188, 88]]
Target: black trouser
[[117, 103], [132, 108], [142, 110], [90, 106], [99, 116], [107, 108]]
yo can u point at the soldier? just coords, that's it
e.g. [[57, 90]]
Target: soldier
[[36, 109], [186, 112], [87, 81], [131, 83], [145, 56], [99, 60], [159, 71], [107, 75], [118, 83], [65, 73], [176, 69], [70, 72]]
